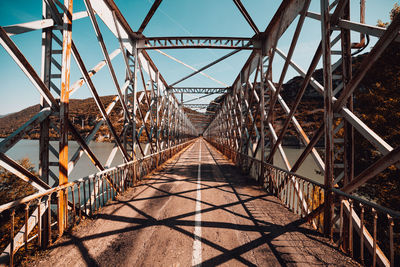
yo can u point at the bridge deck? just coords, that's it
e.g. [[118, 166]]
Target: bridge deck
[[155, 224]]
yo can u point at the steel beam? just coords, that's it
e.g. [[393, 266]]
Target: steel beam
[[362, 28], [105, 53], [21, 172], [205, 67], [247, 16], [99, 104], [18, 134], [149, 15], [388, 37], [42, 24], [200, 105], [26, 67], [200, 90], [389, 159], [64, 115], [328, 115], [287, 62], [238, 43]]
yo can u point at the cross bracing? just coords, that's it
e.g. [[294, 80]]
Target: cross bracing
[[158, 115]]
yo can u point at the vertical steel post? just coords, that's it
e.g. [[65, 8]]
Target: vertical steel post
[[168, 119], [347, 75], [158, 145], [348, 157], [126, 120], [262, 118], [44, 125], [64, 103], [241, 119], [45, 76], [135, 104], [270, 115], [328, 115]]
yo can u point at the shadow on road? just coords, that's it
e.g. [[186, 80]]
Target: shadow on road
[[227, 180]]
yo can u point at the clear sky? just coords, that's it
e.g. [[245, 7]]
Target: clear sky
[[173, 18]]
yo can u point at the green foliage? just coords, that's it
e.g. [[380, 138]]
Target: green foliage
[[377, 102], [12, 187], [395, 11]]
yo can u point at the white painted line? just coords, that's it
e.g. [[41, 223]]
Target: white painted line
[[196, 257]]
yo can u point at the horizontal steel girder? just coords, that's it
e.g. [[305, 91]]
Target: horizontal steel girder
[[200, 90], [198, 42], [200, 105]]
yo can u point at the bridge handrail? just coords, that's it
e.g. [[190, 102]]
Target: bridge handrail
[[294, 192], [29, 198], [393, 213], [119, 178]]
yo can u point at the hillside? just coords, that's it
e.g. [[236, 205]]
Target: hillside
[[377, 104], [83, 113]]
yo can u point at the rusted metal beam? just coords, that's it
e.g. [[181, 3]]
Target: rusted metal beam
[[72, 128], [14, 167], [328, 115], [348, 155], [287, 62], [149, 137], [26, 67], [318, 133], [287, 12], [201, 105], [299, 129], [297, 100], [44, 140], [79, 152], [181, 42], [79, 83], [391, 158], [366, 29], [261, 178], [205, 67], [350, 117], [149, 15], [99, 104], [28, 26], [283, 18], [388, 37], [122, 48], [200, 90], [306, 81], [190, 67], [105, 53], [18, 134], [64, 114], [246, 15], [37, 25]]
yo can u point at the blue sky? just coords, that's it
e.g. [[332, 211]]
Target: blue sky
[[173, 18]]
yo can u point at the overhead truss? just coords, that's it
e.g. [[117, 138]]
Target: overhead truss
[[198, 42], [244, 120], [200, 90]]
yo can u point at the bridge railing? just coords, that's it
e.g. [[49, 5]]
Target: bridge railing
[[85, 196], [378, 243]]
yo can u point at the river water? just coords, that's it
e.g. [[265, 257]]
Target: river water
[[308, 169], [30, 149]]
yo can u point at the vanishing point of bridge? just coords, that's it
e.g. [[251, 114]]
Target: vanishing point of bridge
[[199, 187]]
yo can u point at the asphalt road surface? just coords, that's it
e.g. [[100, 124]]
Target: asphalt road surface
[[198, 210]]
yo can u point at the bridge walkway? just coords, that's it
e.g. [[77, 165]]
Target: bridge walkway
[[197, 209]]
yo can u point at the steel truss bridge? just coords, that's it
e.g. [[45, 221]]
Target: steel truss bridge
[[241, 125]]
